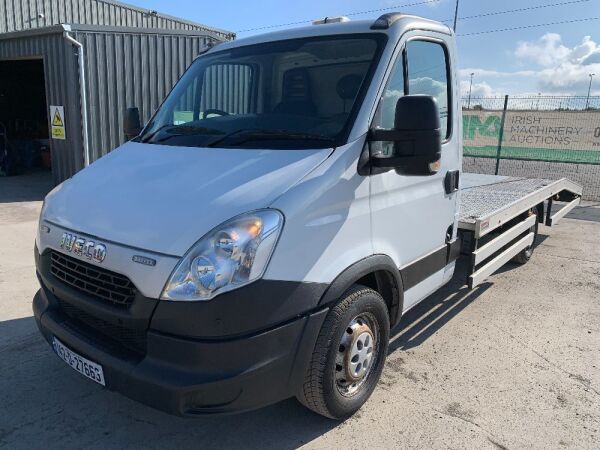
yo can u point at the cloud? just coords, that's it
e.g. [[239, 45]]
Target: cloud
[[422, 86], [429, 86], [480, 89], [553, 69], [466, 73], [563, 69], [548, 50]]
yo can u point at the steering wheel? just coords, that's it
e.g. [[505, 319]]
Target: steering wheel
[[218, 112]]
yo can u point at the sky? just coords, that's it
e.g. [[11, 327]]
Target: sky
[[551, 60]]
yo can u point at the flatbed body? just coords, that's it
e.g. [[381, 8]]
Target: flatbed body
[[490, 203]]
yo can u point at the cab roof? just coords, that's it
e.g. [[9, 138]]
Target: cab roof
[[402, 22]]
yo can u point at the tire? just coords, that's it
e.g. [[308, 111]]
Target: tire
[[525, 255], [358, 320]]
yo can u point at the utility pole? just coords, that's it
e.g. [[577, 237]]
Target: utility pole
[[587, 102], [470, 87], [455, 15]]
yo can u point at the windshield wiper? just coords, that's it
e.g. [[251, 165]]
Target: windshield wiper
[[180, 130], [154, 133], [246, 135]]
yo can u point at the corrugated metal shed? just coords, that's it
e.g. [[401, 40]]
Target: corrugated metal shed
[[123, 67], [16, 15], [131, 67], [61, 79]]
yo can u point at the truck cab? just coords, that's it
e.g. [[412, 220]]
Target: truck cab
[[293, 196]]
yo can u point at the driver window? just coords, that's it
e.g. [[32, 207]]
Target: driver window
[[386, 111], [427, 75], [393, 91], [426, 65]]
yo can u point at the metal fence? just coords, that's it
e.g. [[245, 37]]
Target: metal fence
[[534, 136]]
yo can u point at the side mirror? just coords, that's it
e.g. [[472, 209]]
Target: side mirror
[[131, 123], [416, 136]]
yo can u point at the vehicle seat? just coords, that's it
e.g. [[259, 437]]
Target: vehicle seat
[[296, 96], [348, 86]]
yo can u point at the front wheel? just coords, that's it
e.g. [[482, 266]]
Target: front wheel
[[349, 355]]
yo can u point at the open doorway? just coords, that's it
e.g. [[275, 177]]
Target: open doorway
[[24, 140]]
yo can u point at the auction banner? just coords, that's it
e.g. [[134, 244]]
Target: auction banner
[[558, 136]]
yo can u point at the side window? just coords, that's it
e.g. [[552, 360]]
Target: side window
[[386, 111], [393, 91], [428, 75], [425, 64]]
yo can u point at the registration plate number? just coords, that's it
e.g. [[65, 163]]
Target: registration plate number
[[82, 365]]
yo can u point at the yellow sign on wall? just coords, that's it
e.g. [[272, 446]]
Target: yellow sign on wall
[[57, 122]]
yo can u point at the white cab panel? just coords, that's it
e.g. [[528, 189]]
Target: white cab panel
[[163, 199], [327, 224]]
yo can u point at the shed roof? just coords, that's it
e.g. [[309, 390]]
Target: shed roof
[[20, 15], [60, 28]]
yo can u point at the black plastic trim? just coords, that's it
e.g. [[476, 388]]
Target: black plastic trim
[[451, 181], [453, 250], [418, 271], [423, 268], [188, 377], [362, 268], [252, 308], [385, 21]]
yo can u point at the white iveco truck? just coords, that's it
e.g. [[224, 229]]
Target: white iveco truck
[[295, 194]]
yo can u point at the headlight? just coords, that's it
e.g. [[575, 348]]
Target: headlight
[[231, 255]]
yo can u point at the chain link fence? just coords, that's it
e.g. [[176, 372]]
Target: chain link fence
[[534, 136]]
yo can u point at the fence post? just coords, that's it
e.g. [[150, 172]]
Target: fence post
[[501, 134]]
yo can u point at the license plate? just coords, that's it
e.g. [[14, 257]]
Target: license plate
[[82, 365]]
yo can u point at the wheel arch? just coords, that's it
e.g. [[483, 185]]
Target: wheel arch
[[377, 272]]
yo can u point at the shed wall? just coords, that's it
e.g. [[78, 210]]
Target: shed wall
[[123, 69], [130, 69], [62, 88], [18, 15]]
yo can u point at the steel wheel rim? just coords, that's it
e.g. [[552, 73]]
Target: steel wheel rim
[[356, 354]]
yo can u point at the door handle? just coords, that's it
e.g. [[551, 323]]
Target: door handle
[[451, 181]]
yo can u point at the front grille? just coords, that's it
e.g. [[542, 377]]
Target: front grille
[[101, 284], [112, 336]]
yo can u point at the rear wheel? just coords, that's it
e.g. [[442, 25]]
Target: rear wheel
[[525, 254], [349, 355]]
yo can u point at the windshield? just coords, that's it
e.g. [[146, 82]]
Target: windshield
[[300, 93]]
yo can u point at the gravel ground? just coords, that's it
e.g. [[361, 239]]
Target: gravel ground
[[513, 364]]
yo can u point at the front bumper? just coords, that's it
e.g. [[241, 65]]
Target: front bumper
[[188, 375]]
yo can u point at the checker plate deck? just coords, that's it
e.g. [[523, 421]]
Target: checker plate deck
[[483, 195], [493, 198]]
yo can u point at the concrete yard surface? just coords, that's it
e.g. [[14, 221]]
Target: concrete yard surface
[[513, 364]]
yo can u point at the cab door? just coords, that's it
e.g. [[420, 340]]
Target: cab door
[[414, 216]]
